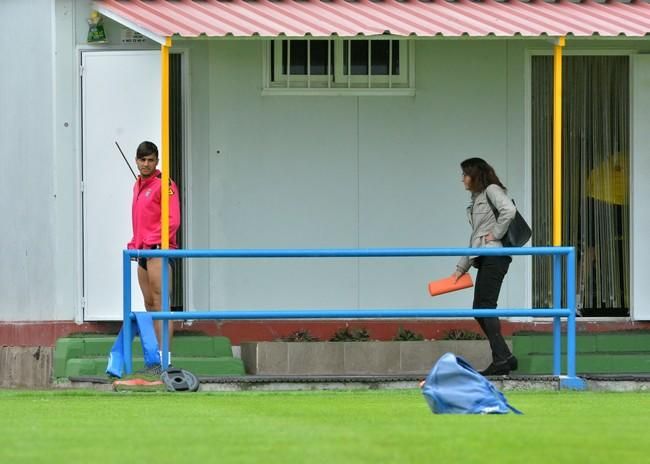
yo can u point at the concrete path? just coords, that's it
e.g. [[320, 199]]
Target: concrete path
[[620, 383]]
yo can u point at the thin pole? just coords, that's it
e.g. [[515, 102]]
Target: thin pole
[[164, 188], [164, 194], [372, 313], [557, 142], [125, 160]]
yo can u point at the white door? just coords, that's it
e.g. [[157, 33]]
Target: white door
[[640, 169], [120, 102]]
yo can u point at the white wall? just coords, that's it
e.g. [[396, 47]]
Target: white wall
[[27, 180], [40, 269]]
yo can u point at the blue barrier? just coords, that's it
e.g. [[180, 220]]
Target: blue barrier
[[557, 312]]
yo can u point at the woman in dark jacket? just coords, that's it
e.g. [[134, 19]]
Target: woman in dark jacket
[[487, 192]]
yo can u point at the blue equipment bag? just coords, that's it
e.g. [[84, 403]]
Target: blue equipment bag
[[142, 325], [454, 387]]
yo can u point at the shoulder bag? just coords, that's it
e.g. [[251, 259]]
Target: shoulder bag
[[518, 232]]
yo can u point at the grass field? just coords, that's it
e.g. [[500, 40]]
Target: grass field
[[317, 427]]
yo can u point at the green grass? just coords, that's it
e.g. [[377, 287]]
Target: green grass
[[317, 427]]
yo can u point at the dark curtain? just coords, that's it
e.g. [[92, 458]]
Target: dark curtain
[[595, 178], [176, 165]]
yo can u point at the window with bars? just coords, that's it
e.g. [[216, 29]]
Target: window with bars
[[353, 65], [379, 59]]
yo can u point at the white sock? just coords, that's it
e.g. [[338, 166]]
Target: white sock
[[169, 357]]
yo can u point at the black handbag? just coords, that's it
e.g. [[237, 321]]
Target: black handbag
[[518, 232]]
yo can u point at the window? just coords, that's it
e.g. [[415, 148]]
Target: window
[[302, 63], [371, 62], [339, 66]]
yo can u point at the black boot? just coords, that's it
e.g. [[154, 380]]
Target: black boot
[[496, 368], [512, 362], [501, 367]]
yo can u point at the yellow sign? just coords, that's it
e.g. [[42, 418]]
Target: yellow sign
[[609, 181]]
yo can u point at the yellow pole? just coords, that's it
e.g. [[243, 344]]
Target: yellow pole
[[557, 142], [164, 149]]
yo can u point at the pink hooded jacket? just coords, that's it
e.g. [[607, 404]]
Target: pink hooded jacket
[[145, 212]]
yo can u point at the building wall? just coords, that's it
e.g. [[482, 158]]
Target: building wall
[[299, 171], [28, 183], [40, 179], [348, 172], [268, 171]]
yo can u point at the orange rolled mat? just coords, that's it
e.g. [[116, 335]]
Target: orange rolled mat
[[446, 285]]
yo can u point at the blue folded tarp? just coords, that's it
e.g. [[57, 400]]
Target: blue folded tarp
[[454, 387], [143, 326]]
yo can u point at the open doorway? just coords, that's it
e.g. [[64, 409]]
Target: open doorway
[[114, 108], [117, 108], [176, 166], [595, 178]]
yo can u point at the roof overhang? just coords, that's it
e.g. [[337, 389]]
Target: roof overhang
[[124, 20], [157, 19]]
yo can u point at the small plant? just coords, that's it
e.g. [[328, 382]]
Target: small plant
[[406, 335], [299, 336], [347, 334], [460, 334]]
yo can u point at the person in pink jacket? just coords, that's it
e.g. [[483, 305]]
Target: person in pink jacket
[[145, 216]]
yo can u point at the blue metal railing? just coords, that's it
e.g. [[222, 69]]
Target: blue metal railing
[[557, 312]]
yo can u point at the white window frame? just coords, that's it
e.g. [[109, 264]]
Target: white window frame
[[274, 82]]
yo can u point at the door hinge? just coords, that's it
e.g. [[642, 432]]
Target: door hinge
[[81, 186], [83, 302], [82, 69]]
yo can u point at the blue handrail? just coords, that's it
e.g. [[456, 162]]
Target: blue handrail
[[557, 312]]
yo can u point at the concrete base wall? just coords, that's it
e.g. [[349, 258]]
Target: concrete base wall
[[27, 367], [357, 358], [46, 333]]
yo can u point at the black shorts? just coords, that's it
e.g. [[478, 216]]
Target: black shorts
[[142, 262]]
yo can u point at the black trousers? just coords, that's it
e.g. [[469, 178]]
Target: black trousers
[[491, 271]]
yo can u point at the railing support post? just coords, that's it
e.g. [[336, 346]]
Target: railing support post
[[571, 322], [165, 307], [557, 321], [126, 313], [571, 381]]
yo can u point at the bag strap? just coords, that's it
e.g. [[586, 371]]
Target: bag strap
[[494, 210], [513, 409]]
